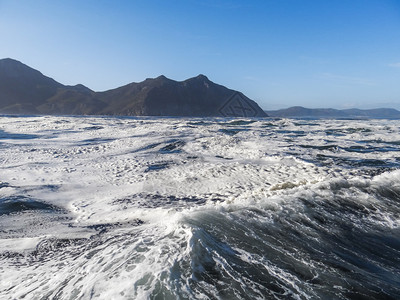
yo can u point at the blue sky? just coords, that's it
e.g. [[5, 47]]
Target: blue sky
[[314, 53]]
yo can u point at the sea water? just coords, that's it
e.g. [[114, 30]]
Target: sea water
[[175, 208]]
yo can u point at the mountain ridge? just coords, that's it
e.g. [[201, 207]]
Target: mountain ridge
[[302, 112], [24, 90]]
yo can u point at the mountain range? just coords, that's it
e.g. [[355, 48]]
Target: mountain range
[[24, 90], [302, 112]]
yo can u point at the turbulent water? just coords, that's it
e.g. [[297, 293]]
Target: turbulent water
[[159, 208]]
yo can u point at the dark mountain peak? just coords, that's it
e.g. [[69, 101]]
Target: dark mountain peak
[[12, 65], [199, 80], [22, 87], [11, 68], [199, 77], [25, 90], [202, 77], [80, 88], [10, 61], [158, 79]]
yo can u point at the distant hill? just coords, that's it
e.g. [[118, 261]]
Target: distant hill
[[302, 112], [24, 90]]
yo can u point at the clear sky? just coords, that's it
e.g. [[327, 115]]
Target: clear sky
[[313, 53]]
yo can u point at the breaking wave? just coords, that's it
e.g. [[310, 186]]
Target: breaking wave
[[147, 208]]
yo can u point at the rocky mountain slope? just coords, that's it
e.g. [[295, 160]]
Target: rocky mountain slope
[[24, 90]]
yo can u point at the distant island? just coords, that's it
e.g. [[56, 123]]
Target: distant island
[[302, 112], [24, 90]]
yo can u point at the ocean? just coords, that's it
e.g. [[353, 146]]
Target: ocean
[[203, 208]]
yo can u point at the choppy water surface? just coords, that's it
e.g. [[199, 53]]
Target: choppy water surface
[[147, 208]]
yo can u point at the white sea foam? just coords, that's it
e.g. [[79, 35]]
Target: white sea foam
[[125, 192]]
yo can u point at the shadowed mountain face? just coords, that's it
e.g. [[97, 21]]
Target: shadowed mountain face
[[24, 90], [23, 87]]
